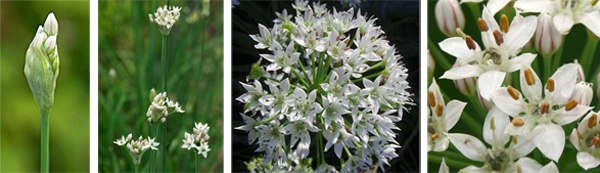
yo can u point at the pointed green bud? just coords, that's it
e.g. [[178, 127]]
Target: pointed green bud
[[42, 62], [152, 94]]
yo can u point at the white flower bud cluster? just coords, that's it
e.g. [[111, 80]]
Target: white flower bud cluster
[[161, 107], [330, 75], [165, 17], [42, 62], [198, 139], [137, 147]]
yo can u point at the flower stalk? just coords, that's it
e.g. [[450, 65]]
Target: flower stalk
[[45, 152]]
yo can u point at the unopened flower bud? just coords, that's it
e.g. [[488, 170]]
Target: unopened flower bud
[[466, 86], [580, 73], [547, 38], [430, 64], [41, 64], [583, 93], [449, 16]]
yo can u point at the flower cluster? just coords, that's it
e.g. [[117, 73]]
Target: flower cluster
[[197, 140], [137, 147], [161, 107], [524, 111], [165, 17], [41, 63], [329, 75]]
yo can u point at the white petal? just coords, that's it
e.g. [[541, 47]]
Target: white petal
[[468, 145], [583, 125], [488, 82], [457, 47], [474, 169], [525, 144], [564, 21], [533, 92], [452, 113], [519, 33], [488, 17], [551, 140], [462, 72], [515, 63], [587, 161], [564, 83], [496, 5], [495, 136], [549, 168], [441, 143], [574, 138], [592, 21], [443, 167], [536, 6], [567, 117], [528, 165], [506, 103]]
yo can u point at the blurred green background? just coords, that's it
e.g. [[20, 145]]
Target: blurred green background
[[20, 115], [129, 66], [572, 48]]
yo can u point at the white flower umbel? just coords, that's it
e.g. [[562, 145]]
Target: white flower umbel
[[329, 78], [498, 158], [566, 13], [137, 147], [197, 140], [502, 46], [542, 114], [165, 17], [41, 70], [586, 139], [161, 107], [441, 118]]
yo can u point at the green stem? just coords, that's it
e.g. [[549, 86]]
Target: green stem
[[45, 152], [163, 63], [164, 147], [588, 54], [195, 162], [557, 57], [547, 66], [137, 168], [438, 56], [152, 152]]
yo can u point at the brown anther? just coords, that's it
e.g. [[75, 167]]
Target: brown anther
[[596, 141], [498, 37], [579, 134], [571, 104], [545, 108], [504, 23], [470, 43], [513, 92], [550, 85], [514, 140], [518, 122], [529, 77], [431, 98], [482, 25], [593, 121], [439, 109], [594, 2], [435, 136]]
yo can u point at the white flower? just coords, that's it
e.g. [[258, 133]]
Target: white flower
[[466, 86], [443, 167], [165, 17], [498, 158], [547, 39], [449, 16], [137, 147], [502, 44], [198, 139], [586, 140], [161, 107], [566, 13], [493, 5], [441, 118], [542, 114]]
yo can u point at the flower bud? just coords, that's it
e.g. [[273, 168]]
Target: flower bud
[[51, 25], [449, 16], [547, 38], [430, 64], [580, 73], [41, 64], [466, 86], [583, 93]]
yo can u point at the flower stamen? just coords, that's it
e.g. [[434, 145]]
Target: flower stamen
[[571, 104], [504, 23], [545, 108], [431, 99], [513, 92], [498, 37], [439, 109], [518, 122], [594, 2], [470, 43], [435, 136], [550, 85], [483, 27], [595, 141], [593, 121], [529, 77]]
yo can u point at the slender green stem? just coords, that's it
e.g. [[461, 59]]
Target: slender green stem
[[152, 152], [45, 152], [440, 59], [164, 148], [547, 66], [557, 57], [588, 54], [137, 168], [163, 63], [195, 162]]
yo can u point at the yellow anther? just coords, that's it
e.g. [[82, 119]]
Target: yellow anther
[[571, 104], [550, 85], [513, 92], [504, 23], [529, 77], [482, 25]]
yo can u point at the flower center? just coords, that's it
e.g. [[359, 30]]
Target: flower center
[[497, 160], [493, 55]]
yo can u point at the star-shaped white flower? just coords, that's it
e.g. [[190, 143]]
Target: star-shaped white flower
[[586, 139], [542, 114], [566, 13], [441, 118]]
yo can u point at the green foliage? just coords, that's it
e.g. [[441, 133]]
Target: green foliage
[[130, 46], [20, 115]]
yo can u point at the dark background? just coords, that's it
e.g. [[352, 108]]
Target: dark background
[[400, 21]]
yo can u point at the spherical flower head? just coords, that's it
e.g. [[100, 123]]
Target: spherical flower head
[[165, 17], [161, 107], [198, 139], [42, 62]]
